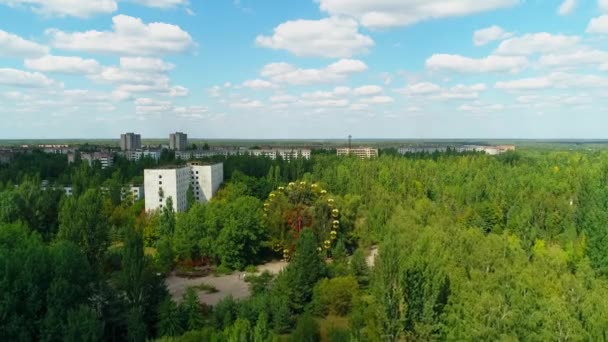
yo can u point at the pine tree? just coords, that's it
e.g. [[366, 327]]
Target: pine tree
[[260, 331], [306, 269], [169, 319]]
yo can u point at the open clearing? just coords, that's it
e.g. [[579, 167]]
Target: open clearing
[[232, 284]]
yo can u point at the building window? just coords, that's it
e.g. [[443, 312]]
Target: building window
[[160, 176], [160, 200], [160, 183], [197, 172]]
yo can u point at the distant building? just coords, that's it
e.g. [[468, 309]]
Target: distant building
[[106, 159], [423, 149], [160, 184], [490, 150], [360, 152], [200, 154], [140, 154], [178, 141], [132, 193], [130, 142], [285, 153]]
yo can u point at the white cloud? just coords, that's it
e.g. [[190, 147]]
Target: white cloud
[[130, 36], [283, 98], [161, 3], [575, 59], [490, 34], [73, 8], [341, 90], [368, 90], [603, 5], [457, 63], [598, 25], [391, 13], [145, 64], [380, 99], [436, 92], [258, 84], [533, 43], [318, 95], [289, 74], [62, 64], [422, 88], [359, 106], [119, 75], [247, 104], [179, 91], [559, 80], [84, 8], [14, 46], [567, 7], [480, 108], [19, 78], [332, 37], [144, 106], [462, 92]]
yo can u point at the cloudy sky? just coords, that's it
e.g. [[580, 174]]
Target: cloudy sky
[[304, 68]]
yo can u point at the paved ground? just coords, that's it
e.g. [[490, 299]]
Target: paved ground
[[233, 284]]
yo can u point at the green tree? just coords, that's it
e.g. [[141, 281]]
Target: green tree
[[306, 268], [82, 222], [359, 268], [191, 310], [169, 323], [240, 331], [82, 325], [307, 330], [261, 332]]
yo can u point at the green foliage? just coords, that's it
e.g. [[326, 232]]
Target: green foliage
[[191, 310], [336, 295], [240, 331], [306, 268], [261, 331], [170, 319], [82, 325], [82, 222], [359, 268], [307, 330]]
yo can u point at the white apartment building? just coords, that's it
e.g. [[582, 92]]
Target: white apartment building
[[285, 153], [360, 152], [160, 184], [178, 141], [130, 141], [140, 154], [106, 159]]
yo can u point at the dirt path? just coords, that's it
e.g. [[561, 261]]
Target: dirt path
[[233, 284], [371, 258]]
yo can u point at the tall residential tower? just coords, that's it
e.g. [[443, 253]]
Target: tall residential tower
[[130, 142], [178, 141]]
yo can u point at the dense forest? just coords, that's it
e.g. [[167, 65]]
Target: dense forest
[[471, 248]]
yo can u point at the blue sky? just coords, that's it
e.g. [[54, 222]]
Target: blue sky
[[304, 68]]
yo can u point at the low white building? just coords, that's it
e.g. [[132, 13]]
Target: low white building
[[106, 159], [160, 184], [136, 155], [284, 153], [132, 193], [360, 152]]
